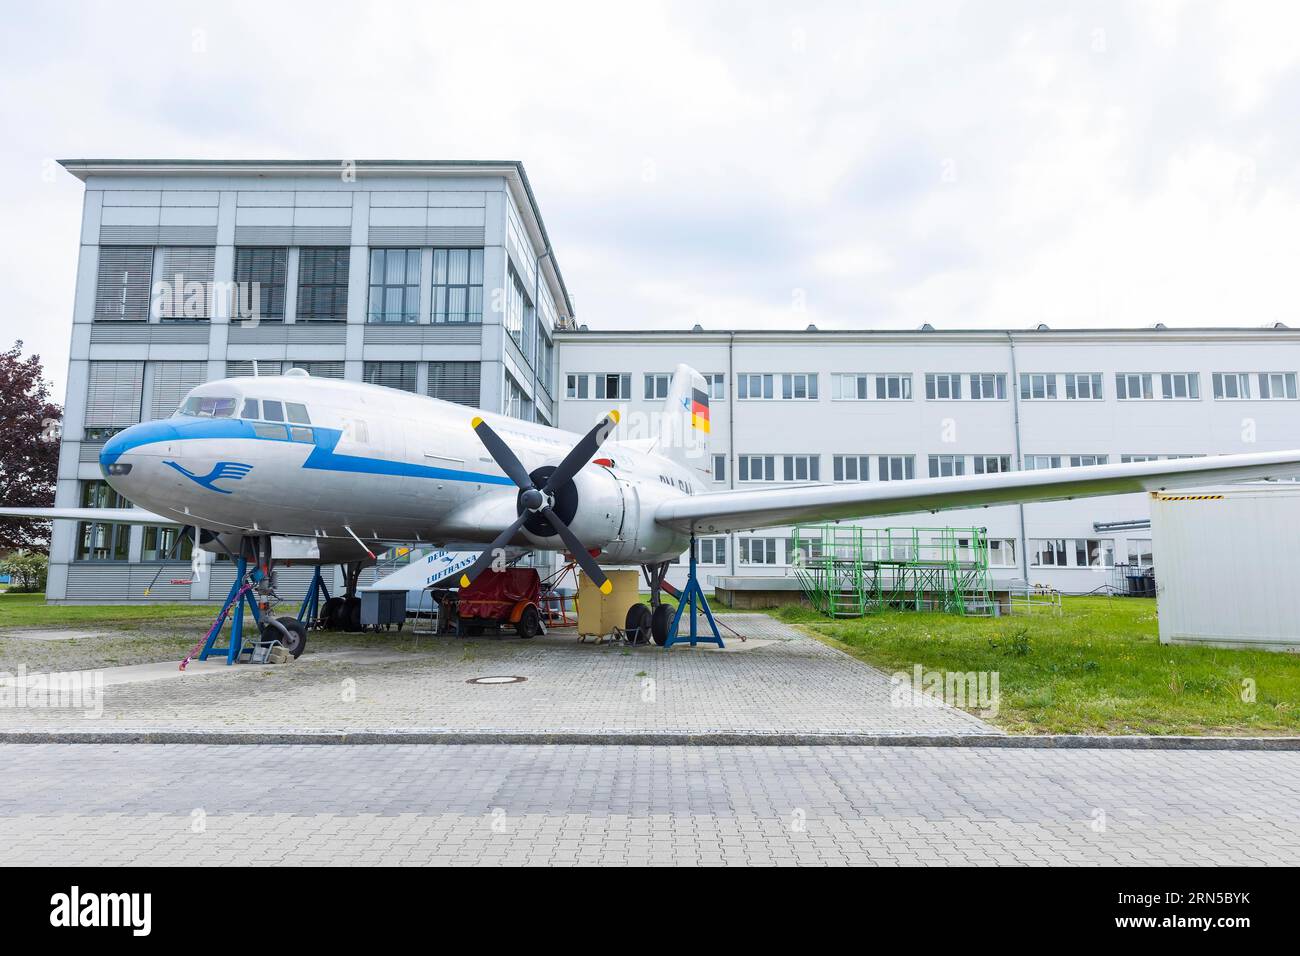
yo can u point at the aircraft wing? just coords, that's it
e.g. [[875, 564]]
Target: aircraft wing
[[775, 507], [116, 515]]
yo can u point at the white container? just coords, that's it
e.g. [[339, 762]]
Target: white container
[[1227, 565]]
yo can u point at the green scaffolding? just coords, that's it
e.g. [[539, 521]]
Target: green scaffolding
[[850, 571]]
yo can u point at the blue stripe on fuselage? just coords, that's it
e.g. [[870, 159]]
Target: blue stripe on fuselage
[[323, 457]]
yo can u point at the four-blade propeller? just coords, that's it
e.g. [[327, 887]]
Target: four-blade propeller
[[541, 501]]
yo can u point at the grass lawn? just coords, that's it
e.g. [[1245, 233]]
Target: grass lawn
[[30, 610], [1097, 668]]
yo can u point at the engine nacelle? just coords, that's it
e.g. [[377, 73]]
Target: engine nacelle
[[592, 505]]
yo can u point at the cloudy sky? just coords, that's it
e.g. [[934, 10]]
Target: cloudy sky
[[992, 164]]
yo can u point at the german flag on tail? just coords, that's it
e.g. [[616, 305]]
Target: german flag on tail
[[700, 410]]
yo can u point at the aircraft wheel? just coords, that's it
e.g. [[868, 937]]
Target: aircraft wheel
[[661, 618], [637, 624], [294, 636], [530, 624], [351, 617], [330, 614]]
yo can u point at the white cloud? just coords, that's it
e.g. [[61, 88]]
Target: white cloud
[[961, 164]]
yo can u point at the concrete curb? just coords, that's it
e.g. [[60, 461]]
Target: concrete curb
[[652, 739]]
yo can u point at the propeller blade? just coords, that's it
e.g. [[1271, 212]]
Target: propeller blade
[[580, 554], [581, 453], [502, 454], [490, 552]]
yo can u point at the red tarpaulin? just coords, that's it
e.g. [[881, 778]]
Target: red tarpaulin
[[493, 595]]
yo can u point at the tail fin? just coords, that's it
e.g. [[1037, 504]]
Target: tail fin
[[684, 425]]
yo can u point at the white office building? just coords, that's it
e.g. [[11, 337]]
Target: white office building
[[828, 406]]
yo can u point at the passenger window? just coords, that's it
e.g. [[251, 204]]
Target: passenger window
[[297, 413], [272, 411], [269, 431], [300, 434], [250, 409]]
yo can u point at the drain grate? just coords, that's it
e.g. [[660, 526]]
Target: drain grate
[[504, 679]]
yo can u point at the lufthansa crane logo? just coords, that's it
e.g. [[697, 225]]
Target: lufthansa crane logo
[[234, 470]]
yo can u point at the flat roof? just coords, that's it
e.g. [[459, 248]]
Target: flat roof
[[512, 169], [1277, 329]]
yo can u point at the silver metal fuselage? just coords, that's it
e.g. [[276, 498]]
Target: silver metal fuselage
[[384, 464]]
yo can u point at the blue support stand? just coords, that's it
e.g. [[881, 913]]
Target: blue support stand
[[693, 595], [239, 596], [310, 608]]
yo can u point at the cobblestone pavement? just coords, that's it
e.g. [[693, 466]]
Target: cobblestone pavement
[[403, 804], [782, 681]]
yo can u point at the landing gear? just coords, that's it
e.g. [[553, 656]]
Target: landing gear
[[343, 611], [659, 615], [289, 631], [638, 624]]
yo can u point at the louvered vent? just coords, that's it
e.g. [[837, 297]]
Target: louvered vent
[[114, 394], [122, 289]]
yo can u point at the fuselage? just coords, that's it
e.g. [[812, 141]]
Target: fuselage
[[328, 459]]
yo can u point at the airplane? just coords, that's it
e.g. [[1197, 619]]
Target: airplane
[[326, 471]]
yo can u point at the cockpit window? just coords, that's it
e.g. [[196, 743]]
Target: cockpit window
[[250, 409], [208, 406], [272, 411], [297, 413]]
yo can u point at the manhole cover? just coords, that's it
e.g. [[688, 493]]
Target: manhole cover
[[496, 680]]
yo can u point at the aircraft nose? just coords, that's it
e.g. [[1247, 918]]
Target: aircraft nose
[[120, 454]]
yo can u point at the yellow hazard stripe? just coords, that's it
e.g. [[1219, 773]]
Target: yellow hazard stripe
[[1190, 497]]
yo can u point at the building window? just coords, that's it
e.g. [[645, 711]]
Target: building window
[[458, 287], [114, 398], [942, 385], [1277, 385], [1037, 385], [1094, 553], [717, 384], [1139, 552], [851, 467], [850, 387], [455, 382], [1040, 462], [1002, 553], [1085, 461], [520, 317], [719, 467], [757, 550], [1133, 386], [1083, 387], [1180, 385], [577, 386], [322, 285], [801, 467], [517, 404], [712, 551], [895, 467], [319, 369], [399, 375], [1231, 386], [992, 464], [259, 283], [751, 386], [394, 285], [170, 382], [102, 541], [159, 541], [1048, 553], [1129, 459], [947, 466], [894, 387], [756, 468], [100, 494], [988, 386], [123, 288], [656, 385], [798, 552], [616, 386], [799, 386], [182, 287]]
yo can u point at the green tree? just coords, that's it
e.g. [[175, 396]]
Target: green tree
[[26, 570], [29, 448]]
